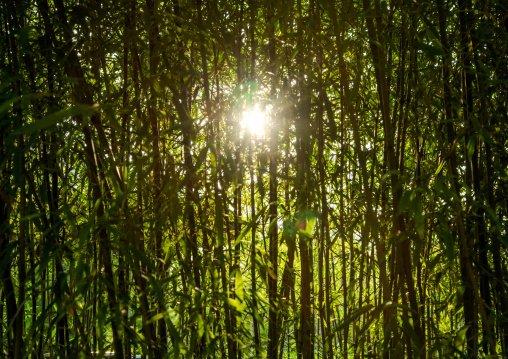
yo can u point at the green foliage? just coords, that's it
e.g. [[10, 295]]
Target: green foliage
[[140, 215]]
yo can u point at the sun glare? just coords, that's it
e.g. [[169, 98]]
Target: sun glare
[[254, 121]]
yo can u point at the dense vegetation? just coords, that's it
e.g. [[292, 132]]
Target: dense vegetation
[[143, 214]]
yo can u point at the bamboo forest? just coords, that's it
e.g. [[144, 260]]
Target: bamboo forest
[[242, 179]]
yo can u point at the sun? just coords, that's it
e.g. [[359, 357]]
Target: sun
[[254, 121]]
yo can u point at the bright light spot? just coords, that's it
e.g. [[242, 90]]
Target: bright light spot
[[254, 121]]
